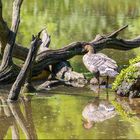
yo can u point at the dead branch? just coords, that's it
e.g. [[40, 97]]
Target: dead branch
[[117, 32], [9, 71], [15, 90], [7, 57]]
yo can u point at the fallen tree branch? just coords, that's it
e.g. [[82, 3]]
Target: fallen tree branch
[[103, 41], [48, 57]]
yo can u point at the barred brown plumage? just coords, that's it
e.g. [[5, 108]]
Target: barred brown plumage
[[99, 63]]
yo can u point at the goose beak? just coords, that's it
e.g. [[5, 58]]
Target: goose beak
[[84, 50]]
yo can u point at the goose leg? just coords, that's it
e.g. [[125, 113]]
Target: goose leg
[[99, 82], [98, 78], [107, 80]]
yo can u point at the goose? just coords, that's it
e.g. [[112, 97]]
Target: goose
[[99, 64]]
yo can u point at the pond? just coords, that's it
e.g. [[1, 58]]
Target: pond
[[57, 113]]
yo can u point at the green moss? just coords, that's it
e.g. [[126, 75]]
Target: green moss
[[129, 75], [135, 60]]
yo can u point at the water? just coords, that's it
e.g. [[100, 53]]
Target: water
[[58, 113]]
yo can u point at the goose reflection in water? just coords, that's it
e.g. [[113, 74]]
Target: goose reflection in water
[[96, 111]]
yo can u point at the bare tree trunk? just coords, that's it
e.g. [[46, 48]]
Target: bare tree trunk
[[4, 31], [8, 71]]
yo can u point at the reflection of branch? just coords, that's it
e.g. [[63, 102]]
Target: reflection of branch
[[15, 109], [12, 115], [0, 108], [7, 112], [29, 118], [15, 132], [6, 118]]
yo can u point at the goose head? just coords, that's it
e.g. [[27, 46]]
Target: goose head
[[89, 49]]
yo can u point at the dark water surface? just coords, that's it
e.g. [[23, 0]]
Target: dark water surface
[[58, 113]]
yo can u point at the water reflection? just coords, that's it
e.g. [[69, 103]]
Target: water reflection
[[11, 117], [45, 116], [97, 110], [129, 108]]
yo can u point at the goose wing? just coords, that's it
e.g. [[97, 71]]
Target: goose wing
[[92, 62], [99, 62], [108, 62]]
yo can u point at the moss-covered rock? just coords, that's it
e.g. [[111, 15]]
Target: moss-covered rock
[[127, 83]]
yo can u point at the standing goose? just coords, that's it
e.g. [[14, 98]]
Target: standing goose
[[99, 64]]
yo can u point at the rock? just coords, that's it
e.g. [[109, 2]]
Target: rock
[[130, 84], [63, 71]]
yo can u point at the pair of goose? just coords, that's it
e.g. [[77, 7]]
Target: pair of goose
[[99, 64]]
